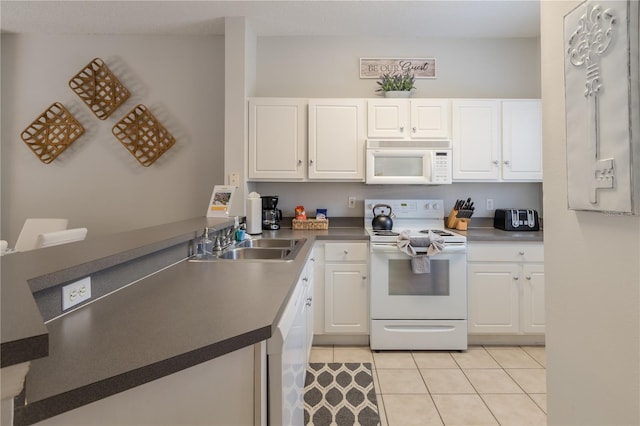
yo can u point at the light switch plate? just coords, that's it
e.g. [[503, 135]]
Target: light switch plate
[[75, 293]]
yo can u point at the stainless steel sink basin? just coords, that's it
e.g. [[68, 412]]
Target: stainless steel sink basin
[[255, 253], [269, 243], [257, 250]]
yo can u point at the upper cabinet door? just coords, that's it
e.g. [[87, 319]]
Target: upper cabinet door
[[277, 138], [476, 139], [430, 118], [409, 118], [522, 139], [337, 139], [388, 118]]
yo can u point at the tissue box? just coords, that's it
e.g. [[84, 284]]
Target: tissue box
[[310, 224]]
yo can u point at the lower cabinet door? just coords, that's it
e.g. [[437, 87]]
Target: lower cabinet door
[[533, 312], [493, 298], [346, 307]]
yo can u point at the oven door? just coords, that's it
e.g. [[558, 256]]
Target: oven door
[[398, 293]]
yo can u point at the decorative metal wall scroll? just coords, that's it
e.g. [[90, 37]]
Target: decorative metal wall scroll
[[602, 114], [96, 85], [52, 132], [143, 135]]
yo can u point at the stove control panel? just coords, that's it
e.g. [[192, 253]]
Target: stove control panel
[[408, 209]]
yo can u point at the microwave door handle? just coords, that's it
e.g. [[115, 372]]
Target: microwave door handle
[[429, 165]]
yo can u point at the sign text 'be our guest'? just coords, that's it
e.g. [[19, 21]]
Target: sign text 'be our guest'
[[419, 67]]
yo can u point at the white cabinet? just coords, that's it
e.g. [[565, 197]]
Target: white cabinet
[[307, 280], [497, 140], [216, 392], [506, 288], [408, 118], [476, 139], [277, 138], [346, 285], [533, 317], [522, 139], [336, 139]]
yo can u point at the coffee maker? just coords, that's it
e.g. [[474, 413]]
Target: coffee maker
[[271, 215]]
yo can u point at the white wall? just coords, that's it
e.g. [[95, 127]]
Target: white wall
[[467, 68], [592, 277], [329, 66], [96, 183], [334, 196]]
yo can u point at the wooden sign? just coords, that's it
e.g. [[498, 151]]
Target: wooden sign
[[419, 67]]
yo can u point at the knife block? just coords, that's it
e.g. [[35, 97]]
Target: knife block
[[462, 224], [452, 220]]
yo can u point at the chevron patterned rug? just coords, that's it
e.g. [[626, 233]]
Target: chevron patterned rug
[[340, 394]]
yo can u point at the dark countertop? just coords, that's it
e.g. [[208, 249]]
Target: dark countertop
[[180, 316], [183, 315], [23, 334], [481, 230], [498, 235]]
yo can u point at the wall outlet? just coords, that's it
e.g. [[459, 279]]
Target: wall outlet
[[234, 179], [75, 293], [352, 202], [490, 204]]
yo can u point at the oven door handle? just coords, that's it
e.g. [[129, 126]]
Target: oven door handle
[[392, 248]]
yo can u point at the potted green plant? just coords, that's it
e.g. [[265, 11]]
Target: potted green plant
[[396, 85]]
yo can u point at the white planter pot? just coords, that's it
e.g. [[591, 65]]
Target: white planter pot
[[397, 94]]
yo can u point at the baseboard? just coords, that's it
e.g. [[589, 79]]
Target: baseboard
[[341, 340], [506, 340]]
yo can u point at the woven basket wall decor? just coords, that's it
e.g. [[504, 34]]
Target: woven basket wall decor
[[143, 135], [52, 132], [96, 85]]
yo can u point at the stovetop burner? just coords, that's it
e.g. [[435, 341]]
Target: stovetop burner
[[383, 233], [437, 232]]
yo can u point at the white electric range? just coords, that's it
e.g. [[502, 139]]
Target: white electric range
[[414, 311]]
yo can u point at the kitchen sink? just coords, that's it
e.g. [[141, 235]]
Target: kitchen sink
[[260, 249], [269, 243], [255, 253]]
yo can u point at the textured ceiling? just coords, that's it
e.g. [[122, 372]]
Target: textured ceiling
[[450, 18]]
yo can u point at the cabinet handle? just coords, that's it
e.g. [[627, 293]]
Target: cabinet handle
[[507, 162], [364, 277], [414, 129], [401, 129], [310, 161], [299, 162], [496, 162], [346, 252], [516, 278], [528, 278], [305, 279], [521, 253], [313, 259]]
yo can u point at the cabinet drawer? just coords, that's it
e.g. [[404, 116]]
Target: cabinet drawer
[[505, 252], [346, 252]]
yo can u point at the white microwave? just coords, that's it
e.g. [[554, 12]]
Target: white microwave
[[425, 162]]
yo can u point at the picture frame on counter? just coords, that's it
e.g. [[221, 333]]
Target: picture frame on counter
[[419, 67]]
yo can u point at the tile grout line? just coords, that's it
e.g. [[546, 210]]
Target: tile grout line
[[428, 390], [476, 389], [516, 382]]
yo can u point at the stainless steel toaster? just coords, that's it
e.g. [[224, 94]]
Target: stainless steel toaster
[[516, 220]]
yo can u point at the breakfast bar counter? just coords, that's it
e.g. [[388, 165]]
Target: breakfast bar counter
[[179, 316]]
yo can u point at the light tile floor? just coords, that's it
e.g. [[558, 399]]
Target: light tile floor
[[486, 385]]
